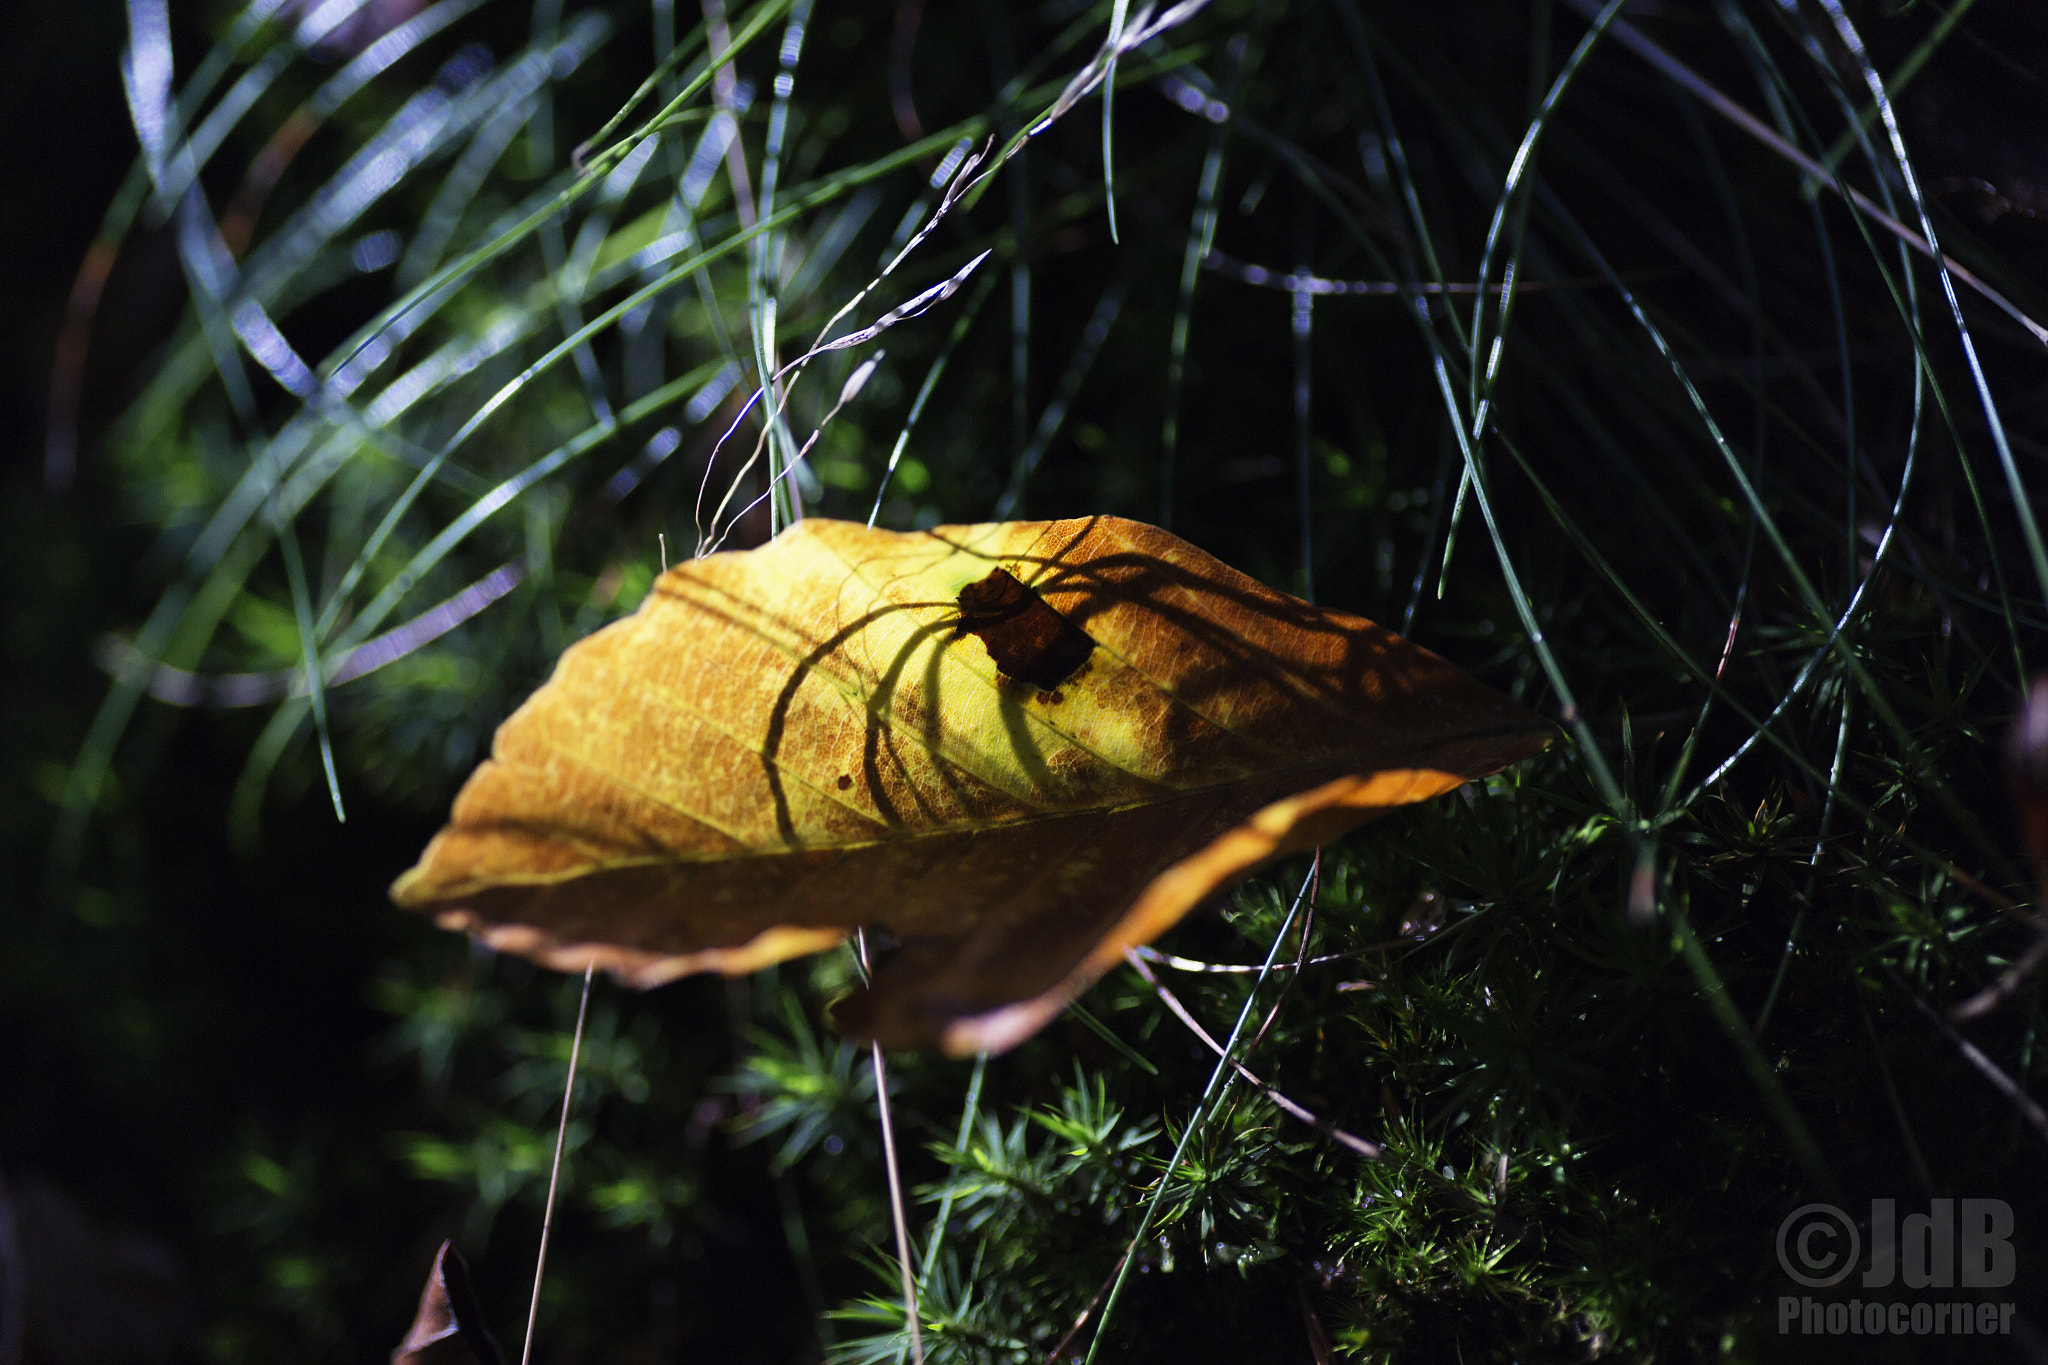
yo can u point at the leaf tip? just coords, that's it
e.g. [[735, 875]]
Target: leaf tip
[[448, 1328]]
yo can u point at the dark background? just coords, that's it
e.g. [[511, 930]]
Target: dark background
[[136, 1051]]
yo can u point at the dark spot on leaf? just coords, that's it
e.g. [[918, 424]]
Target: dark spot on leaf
[[845, 782], [1027, 639]]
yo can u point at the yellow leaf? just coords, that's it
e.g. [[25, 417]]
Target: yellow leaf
[[1019, 747]]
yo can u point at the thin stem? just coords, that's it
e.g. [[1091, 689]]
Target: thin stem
[[910, 1313], [924, 390], [1116, 44], [1371, 1151], [547, 1219], [1202, 1110], [903, 1256], [968, 1113], [2027, 1106], [1683, 75]]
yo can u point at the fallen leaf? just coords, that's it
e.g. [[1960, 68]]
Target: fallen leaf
[[1019, 747], [449, 1327]]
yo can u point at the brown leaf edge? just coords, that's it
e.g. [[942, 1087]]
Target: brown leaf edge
[[1296, 824], [449, 1327], [637, 967]]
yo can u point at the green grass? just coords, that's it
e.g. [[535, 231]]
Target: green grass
[[1731, 482]]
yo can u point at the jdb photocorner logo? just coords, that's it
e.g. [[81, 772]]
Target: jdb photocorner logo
[[1958, 1244]]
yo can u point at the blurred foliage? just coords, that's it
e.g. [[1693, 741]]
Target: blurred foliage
[[415, 362]]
